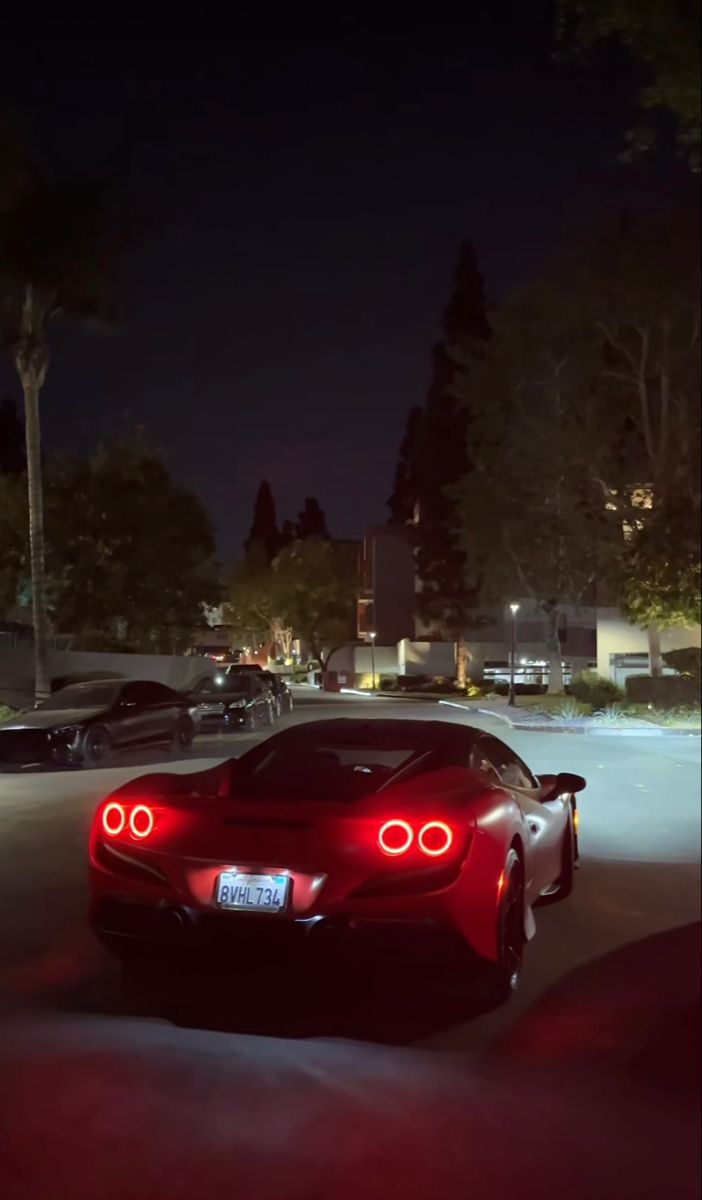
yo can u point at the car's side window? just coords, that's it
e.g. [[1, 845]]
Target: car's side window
[[480, 762], [130, 694], [508, 765], [152, 693]]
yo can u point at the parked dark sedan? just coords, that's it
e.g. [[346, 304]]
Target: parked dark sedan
[[80, 725], [240, 700], [282, 696]]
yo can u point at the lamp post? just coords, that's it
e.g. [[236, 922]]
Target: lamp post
[[514, 609], [372, 637]]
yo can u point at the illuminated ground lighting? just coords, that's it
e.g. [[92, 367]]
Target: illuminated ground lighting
[[435, 838], [398, 844], [113, 819]]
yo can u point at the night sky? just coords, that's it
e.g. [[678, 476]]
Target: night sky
[[303, 197]]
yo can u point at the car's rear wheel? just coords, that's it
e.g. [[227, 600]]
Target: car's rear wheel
[[501, 978], [97, 746]]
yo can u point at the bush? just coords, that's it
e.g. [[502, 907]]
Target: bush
[[687, 663], [595, 690], [663, 691]]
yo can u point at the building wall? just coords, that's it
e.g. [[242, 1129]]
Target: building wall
[[427, 658], [17, 670], [386, 601], [616, 636]]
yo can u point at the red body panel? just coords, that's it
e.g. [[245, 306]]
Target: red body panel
[[330, 851]]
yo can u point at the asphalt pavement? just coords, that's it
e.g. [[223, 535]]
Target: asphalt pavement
[[640, 875]]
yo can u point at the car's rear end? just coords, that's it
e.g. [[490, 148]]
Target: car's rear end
[[169, 867]]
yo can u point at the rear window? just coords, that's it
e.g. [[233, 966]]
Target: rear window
[[321, 772]]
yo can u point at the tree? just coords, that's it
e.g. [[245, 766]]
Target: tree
[[12, 441], [264, 528], [661, 585], [249, 606], [311, 522], [314, 593], [57, 256], [131, 553], [533, 518], [664, 35], [448, 590], [405, 488], [644, 304]]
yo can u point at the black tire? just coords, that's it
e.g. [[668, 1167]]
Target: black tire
[[501, 979], [97, 746], [183, 734]]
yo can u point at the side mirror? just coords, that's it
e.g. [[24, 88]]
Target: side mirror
[[551, 786]]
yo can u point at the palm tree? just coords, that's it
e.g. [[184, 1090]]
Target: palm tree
[[57, 255]]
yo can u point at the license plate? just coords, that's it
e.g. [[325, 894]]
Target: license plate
[[252, 893]]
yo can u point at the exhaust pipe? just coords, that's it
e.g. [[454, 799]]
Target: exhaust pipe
[[176, 922]]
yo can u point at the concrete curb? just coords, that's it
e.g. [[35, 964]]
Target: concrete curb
[[589, 730]]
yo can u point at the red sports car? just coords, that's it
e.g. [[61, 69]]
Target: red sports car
[[340, 822]]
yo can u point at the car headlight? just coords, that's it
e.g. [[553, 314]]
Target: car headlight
[[69, 734], [65, 740], [237, 704]]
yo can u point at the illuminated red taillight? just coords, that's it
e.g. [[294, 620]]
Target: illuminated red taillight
[[395, 837], [141, 821], [435, 838], [114, 819]]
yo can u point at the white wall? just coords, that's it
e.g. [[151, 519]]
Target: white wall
[[385, 660], [17, 669], [427, 658], [616, 636]]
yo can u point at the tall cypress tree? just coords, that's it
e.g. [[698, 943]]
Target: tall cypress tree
[[404, 493], [447, 593], [264, 528], [311, 522]]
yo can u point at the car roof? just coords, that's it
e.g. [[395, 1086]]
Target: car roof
[[358, 731], [87, 683]]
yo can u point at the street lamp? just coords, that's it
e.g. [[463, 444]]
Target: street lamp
[[372, 637], [514, 609]]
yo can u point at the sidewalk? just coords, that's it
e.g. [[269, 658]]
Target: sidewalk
[[539, 722]]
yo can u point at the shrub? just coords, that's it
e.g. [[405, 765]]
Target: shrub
[[687, 663], [663, 691], [613, 714], [569, 710], [596, 690]]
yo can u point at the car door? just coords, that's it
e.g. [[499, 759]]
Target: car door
[[543, 823], [160, 707], [128, 725], [263, 699]]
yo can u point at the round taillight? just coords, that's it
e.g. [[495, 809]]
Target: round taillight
[[435, 838], [395, 837], [141, 821], [113, 819]]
